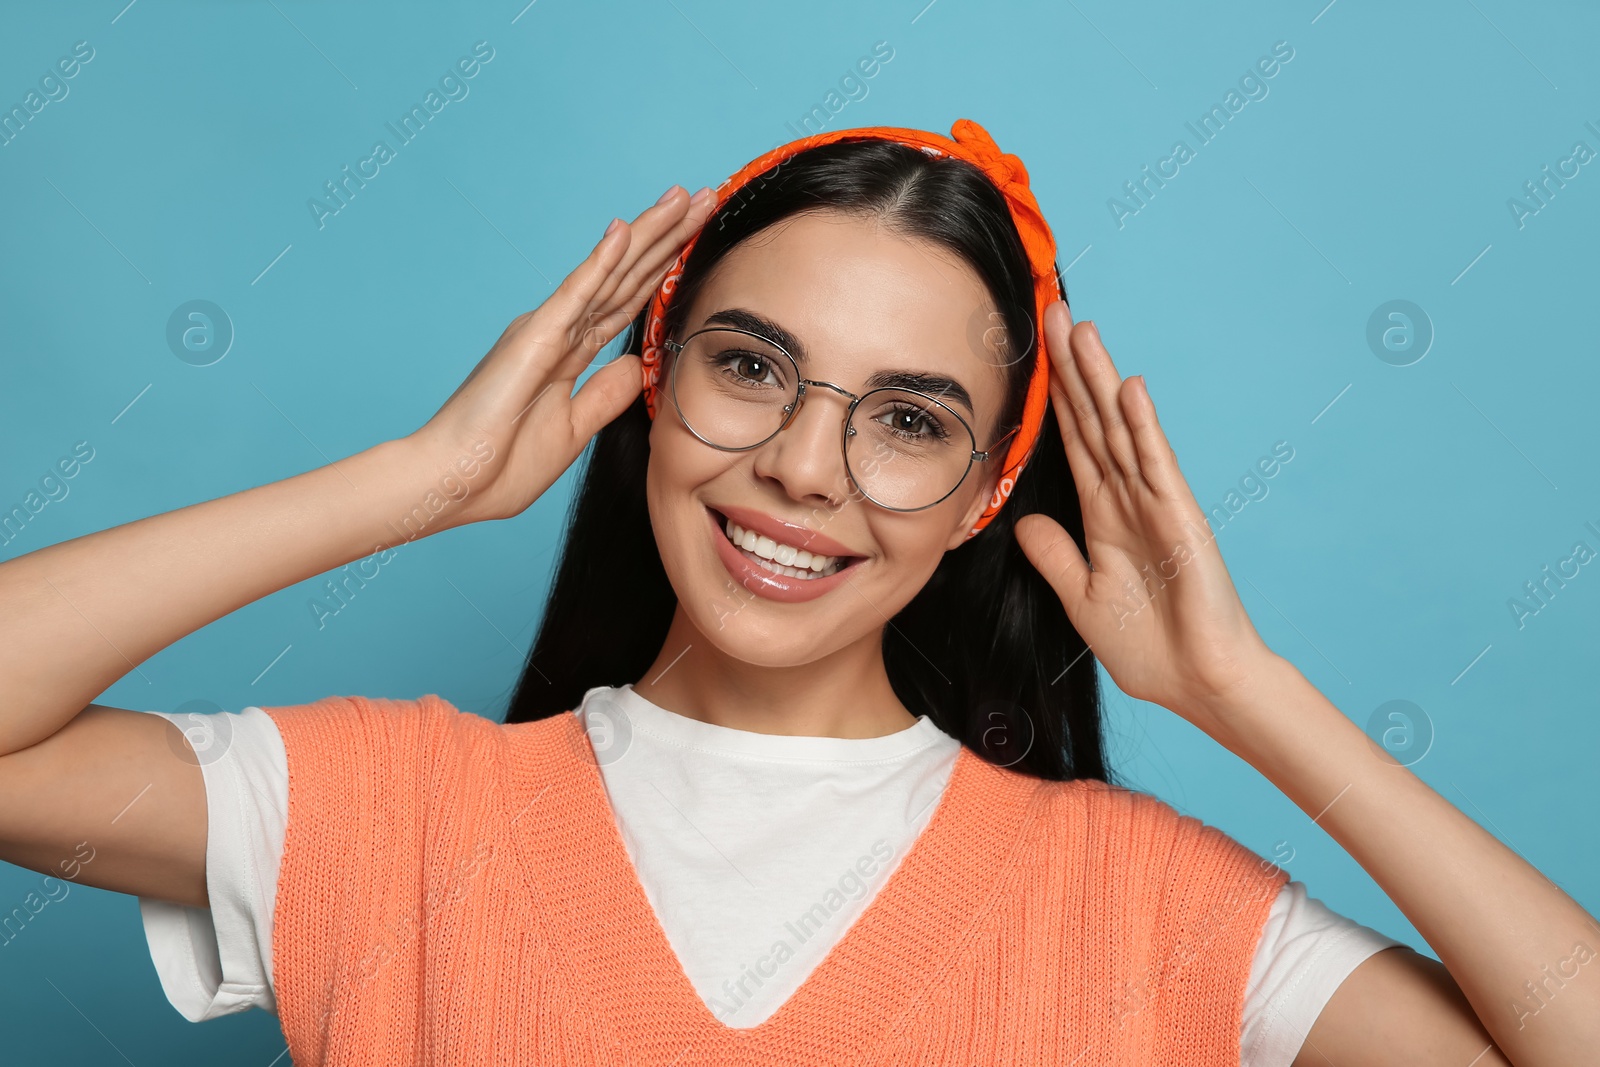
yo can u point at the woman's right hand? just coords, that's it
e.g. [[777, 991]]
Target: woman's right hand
[[515, 422], [77, 615]]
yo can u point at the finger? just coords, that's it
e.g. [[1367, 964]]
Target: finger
[[1055, 555], [653, 263], [659, 234], [1077, 405], [601, 331], [597, 277], [650, 283], [604, 325], [525, 354], [581, 286], [1086, 471], [633, 280], [627, 310], [607, 394], [564, 428], [537, 349], [603, 317], [1104, 383], [1085, 468], [1157, 461]]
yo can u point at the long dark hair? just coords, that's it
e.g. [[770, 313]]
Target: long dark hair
[[985, 649]]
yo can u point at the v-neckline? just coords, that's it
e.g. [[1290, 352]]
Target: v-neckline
[[610, 940]]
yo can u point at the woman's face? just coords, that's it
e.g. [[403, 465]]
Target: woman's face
[[858, 299]]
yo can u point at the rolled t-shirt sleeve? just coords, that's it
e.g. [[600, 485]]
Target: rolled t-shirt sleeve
[[1306, 950], [218, 960]]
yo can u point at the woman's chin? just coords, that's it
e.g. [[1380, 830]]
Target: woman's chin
[[762, 637]]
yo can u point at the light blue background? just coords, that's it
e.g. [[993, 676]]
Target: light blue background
[[1378, 167]]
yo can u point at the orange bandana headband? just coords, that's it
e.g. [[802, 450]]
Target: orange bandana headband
[[967, 141]]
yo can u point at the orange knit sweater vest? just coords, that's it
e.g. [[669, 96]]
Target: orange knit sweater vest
[[455, 891]]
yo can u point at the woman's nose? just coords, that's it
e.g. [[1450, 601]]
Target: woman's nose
[[807, 456]]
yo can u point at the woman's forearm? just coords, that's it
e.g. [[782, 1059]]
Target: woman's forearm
[[77, 616], [1517, 946]]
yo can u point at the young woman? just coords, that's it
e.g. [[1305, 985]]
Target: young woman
[[861, 501]]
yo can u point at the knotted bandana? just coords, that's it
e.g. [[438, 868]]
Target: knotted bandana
[[967, 141]]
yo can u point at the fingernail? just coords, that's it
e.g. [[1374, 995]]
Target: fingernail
[[668, 194], [614, 224], [699, 197]]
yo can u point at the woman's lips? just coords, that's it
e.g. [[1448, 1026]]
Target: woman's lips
[[762, 582], [787, 533]]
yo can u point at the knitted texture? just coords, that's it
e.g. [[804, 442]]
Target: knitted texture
[[456, 891]]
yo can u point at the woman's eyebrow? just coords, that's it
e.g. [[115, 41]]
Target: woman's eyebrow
[[940, 386], [935, 385], [745, 319]]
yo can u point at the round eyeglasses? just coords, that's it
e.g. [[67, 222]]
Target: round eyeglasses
[[905, 450]]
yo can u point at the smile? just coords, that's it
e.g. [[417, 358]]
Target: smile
[[772, 569], [779, 558]]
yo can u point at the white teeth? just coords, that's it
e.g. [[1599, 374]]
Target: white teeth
[[780, 558]]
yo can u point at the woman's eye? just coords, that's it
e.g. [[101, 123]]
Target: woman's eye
[[914, 422], [747, 367]]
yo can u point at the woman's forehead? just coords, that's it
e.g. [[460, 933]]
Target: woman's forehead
[[850, 288]]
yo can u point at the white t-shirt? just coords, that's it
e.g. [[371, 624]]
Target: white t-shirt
[[740, 840]]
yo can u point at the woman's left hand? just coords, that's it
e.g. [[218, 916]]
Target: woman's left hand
[[1156, 604]]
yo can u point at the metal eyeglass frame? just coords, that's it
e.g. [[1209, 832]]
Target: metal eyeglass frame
[[676, 348]]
